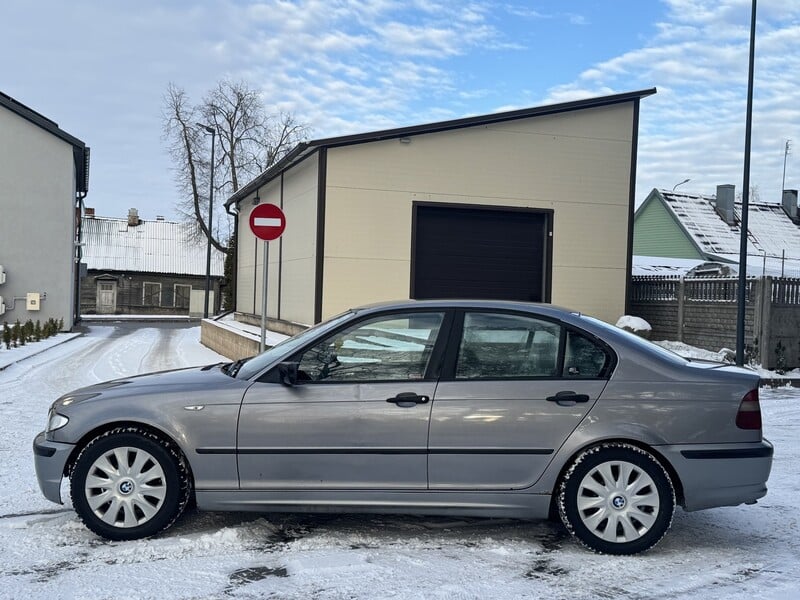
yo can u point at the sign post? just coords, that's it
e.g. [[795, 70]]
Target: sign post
[[267, 223]]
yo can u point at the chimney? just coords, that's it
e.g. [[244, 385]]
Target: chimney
[[790, 204], [89, 212], [133, 217], [725, 199]]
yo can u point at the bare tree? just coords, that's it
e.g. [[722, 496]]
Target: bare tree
[[248, 139]]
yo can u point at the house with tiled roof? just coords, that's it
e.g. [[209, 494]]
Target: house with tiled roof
[[682, 225], [146, 267]]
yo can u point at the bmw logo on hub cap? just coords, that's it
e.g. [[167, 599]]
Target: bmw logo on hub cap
[[126, 487], [618, 502]]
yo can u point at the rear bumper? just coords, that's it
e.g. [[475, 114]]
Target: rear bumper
[[50, 459], [721, 474]]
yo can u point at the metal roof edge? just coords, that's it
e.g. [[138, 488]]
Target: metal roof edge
[[486, 119], [374, 136], [80, 149], [38, 119], [293, 157]]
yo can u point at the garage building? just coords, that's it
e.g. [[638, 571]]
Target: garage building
[[533, 204]]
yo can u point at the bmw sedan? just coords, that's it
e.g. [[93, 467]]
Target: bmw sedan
[[456, 407]]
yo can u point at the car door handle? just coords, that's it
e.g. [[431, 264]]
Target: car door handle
[[408, 399], [568, 398]]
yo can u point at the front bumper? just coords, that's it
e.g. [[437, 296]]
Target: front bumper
[[721, 474], [50, 459]]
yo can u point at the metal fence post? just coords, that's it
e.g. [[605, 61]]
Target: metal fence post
[[681, 299]]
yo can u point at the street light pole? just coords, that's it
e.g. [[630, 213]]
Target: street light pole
[[681, 183], [741, 296], [213, 133]]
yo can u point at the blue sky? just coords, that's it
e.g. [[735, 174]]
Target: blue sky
[[100, 70]]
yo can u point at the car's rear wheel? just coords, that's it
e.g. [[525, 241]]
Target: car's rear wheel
[[617, 499], [129, 483]]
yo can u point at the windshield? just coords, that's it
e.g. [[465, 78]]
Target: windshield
[[261, 361]]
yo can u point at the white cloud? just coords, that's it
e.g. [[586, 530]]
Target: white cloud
[[694, 127]]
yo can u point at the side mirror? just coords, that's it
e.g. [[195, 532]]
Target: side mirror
[[287, 373]]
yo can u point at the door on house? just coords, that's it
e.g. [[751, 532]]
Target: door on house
[[481, 252], [106, 297]]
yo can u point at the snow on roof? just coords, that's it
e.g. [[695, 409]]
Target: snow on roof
[[771, 232], [660, 265], [110, 244]]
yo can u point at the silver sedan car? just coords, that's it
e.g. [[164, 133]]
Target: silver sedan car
[[478, 408]]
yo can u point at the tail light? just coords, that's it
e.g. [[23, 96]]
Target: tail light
[[749, 415]]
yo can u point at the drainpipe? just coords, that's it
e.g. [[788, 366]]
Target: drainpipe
[[234, 266], [78, 255]]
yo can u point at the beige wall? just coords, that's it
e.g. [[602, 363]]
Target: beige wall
[[575, 163], [37, 222], [296, 249]]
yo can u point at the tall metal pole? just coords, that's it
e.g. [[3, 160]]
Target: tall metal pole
[[741, 296], [210, 222], [264, 299], [785, 156]]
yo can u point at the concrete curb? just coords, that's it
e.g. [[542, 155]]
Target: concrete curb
[[71, 337], [141, 319]]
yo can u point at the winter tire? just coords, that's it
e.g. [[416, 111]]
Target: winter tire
[[617, 499], [128, 484]]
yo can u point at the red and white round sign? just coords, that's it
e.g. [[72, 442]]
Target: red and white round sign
[[267, 222]]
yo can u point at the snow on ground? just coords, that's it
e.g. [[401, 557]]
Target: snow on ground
[[741, 552]]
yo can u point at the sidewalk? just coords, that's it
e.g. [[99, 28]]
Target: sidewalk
[[12, 356]]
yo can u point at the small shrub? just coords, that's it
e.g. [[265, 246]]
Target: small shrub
[[16, 335], [751, 353], [780, 358], [6, 335], [37, 331]]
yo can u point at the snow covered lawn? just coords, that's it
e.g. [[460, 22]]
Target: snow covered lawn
[[743, 552]]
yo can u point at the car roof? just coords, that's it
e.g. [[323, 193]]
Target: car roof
[[534, 307]]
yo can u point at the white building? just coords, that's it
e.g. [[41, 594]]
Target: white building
[[44, 176]]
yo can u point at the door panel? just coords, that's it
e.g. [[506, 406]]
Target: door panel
[[333, 436], [337, 429], [106, 297], [500, 434], [517, 386]]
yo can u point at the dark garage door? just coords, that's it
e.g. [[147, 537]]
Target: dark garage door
[[463, 252]]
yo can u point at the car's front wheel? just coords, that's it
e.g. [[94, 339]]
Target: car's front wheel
[[617, 499], [129, 483]]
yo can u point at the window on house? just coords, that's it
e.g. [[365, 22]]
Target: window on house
[[152, 294], [182, 294]]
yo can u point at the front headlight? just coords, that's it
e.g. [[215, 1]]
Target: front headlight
[[56, 421]]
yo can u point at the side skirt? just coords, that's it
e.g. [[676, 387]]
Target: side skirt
[[510, 505]]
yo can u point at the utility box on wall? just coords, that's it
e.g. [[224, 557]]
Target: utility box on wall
[[33, 301], [2, 275]]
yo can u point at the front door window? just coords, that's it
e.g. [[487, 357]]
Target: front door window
[[393, 348]]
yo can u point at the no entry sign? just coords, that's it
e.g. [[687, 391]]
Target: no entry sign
[[267, 222]]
